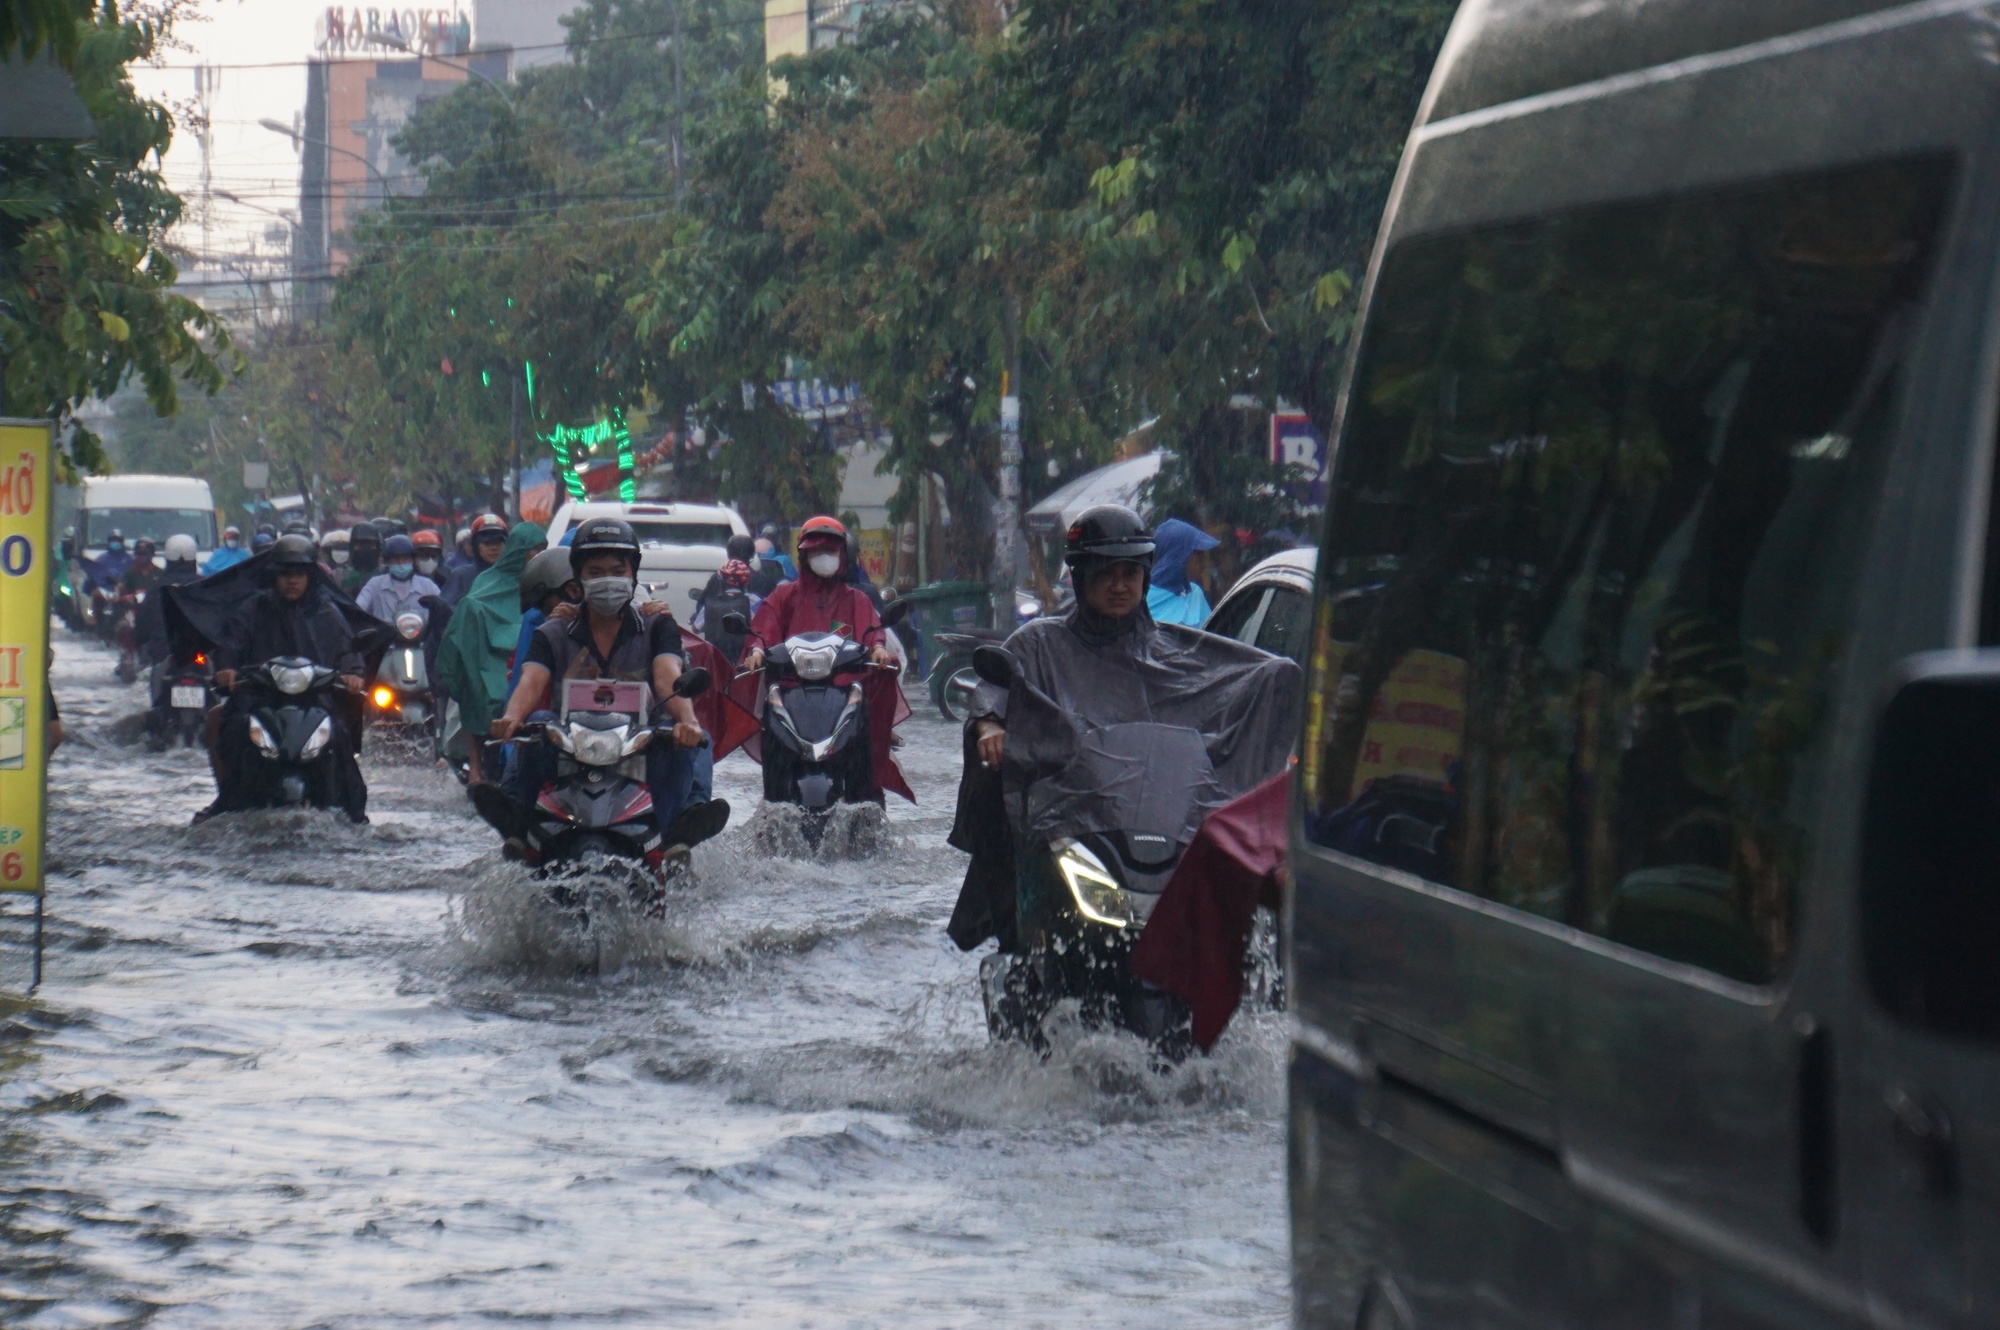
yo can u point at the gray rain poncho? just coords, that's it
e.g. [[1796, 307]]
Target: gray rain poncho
[[1077, 676]]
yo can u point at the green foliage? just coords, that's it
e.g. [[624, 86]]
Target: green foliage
[[85, 299]]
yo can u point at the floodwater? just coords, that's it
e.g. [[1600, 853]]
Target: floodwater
[[286, 1072]]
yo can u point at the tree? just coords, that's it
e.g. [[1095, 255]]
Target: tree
[[85, 298]]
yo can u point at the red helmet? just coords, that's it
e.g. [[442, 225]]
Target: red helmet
[[426, 539], [822, 530], [486, 522]]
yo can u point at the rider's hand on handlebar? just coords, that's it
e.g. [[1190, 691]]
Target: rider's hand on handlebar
[[687, 735], [225, 680], [352, 683], [753, 660], [881, 655], [503, 728], [992, 743]]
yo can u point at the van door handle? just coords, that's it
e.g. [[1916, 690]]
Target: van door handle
[[1923, 1130]]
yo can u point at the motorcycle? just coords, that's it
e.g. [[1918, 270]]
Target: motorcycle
[[598, 811], [124, 618], [952, 679], [182, 695], [1086, 891], [401, 693], [292, 732]]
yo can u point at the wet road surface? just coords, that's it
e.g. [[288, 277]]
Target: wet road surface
[[287, 1072]]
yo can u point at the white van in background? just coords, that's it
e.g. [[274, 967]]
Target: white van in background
[[680, 544], [152, 506]]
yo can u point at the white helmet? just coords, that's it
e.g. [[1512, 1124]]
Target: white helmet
[[181, 549]]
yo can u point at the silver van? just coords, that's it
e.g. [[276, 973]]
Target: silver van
[[1645, 941]]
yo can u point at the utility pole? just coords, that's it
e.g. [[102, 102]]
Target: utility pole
[[514, 433], [680, 113], [1008, 511]]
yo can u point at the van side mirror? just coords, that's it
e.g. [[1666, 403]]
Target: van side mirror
[[693, 683], [1930, 848], [995, 665]]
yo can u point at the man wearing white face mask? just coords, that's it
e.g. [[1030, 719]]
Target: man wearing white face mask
[[611, 639], [821, 601]]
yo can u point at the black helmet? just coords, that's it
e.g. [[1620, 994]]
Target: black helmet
[[1109, 531], [364, 533], [294, 550], [298, 526], [603, 535], [143, 548]]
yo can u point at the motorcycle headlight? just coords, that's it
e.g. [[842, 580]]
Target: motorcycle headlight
[[815, 663], [321, 736], [596, 748], [292, 679], [1097, 894], [635, 742], [262, 738]]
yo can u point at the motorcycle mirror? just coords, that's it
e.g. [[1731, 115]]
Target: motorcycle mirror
[[735, 623], [895, 612], [694, 593], [693, 683], [995, 665]]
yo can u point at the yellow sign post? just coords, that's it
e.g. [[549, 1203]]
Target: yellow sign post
[[25, 551]]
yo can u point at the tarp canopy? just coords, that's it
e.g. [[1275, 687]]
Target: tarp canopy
[[1117, 483]]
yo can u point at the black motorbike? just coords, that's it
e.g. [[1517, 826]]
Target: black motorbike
[[182, 695], [292, 702], [952, 678], [1086, 888], [598, 812], [400, 697]]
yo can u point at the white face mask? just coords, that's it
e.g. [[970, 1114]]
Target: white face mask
[[608, 595], [339, 556], [826, 565], [427, 566]]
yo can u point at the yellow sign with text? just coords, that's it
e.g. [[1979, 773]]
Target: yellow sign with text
[[24, 649]]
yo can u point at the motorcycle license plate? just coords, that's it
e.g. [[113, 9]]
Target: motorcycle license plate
[[189, 697]]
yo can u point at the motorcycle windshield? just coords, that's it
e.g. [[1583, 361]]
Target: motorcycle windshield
[[1141, 780]]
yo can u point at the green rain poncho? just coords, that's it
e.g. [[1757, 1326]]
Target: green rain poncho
[[472, 659]]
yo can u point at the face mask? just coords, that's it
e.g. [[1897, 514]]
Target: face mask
[[229, 542], [826, 565], [365, 556], [427, 566], [607, 595], [339, 557], [402, 572], [115, 546]]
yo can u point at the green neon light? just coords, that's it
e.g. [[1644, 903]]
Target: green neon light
[[573, 447]]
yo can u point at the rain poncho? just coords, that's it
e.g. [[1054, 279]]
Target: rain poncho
[[479, 641], [208, 617], [1076, 676], [1173, 597]]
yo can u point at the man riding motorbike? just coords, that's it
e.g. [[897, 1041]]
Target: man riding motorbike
[[611, 639], [229, 553], [489, 538], [1070, 752], [364, 557], [733, 588], [294, 617], [398, 588], [821, 601], [149, 624], [430, 552]]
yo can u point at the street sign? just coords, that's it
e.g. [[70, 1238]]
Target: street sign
[[256, 476], [24, 649]]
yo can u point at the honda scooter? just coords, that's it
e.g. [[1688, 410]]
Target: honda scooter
[[401, 693], [292, 732]]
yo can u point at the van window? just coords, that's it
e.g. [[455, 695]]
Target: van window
[[1601, 501], [156, 524], [656, 532]]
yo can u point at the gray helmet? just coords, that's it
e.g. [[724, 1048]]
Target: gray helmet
[[546, 572], [293, 551]]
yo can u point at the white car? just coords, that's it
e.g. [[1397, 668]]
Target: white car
[[1271, 605], [680, 544]]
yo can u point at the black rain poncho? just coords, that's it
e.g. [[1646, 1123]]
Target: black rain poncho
[[1077, 675], [205, 615]]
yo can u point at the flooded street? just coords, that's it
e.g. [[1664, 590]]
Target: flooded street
[[287, 1072]]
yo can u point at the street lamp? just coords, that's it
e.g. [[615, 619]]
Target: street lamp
[[399, 44], [279, 127]]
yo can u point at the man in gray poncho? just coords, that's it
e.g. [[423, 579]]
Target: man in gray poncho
[[1105, 663]]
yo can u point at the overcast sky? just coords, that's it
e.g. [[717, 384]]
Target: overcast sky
[[255, 165]]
